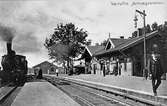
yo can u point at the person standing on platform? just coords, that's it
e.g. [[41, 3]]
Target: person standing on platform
[[116, 69], [119, 69], [57, 72], [156, 71], [40, 76], [104, 69]]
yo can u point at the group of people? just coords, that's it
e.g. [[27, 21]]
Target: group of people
[[155, 70], [39, 75], [116, 69]]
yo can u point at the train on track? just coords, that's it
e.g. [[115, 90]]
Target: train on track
[[14, 67]]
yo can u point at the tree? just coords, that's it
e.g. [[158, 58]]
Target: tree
[[154, 26], [140, 31], [89, 42], [134, 34], [104, 43], [148, 28], [163, 42], [66, 43]]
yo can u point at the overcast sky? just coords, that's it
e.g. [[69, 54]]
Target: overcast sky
[[31, 21]]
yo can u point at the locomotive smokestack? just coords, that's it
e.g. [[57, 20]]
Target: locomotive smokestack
[[7, 34], [9, 47]]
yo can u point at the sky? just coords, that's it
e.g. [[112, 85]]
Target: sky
[[29, 22]]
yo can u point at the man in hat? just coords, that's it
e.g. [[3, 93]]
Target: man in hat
[[156, 70]]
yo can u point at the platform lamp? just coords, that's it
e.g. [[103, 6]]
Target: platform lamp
[[143, 14]]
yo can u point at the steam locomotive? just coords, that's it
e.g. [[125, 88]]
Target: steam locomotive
[[14, 67]]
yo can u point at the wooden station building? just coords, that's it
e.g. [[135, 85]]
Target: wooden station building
[[127, 53]]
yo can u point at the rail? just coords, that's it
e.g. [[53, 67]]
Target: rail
[[116, 93]]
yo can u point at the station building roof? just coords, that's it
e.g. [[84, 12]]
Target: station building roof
[[127, 44]]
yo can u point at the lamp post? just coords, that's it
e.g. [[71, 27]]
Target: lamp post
[[144, 33]]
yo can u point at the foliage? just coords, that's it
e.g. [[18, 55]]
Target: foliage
[[134, 34], [148, 29], [163, 34], [163, 28], [154, 26], [163, 42], [89, 42], [66, 42], [104, 43]]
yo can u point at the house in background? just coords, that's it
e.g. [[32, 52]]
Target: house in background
[[90, 61], [47, 67], [61, 70], [112, 59]]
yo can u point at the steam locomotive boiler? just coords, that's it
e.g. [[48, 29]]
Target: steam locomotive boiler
[[14, 67]]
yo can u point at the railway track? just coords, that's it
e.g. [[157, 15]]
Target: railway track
[[8, 93], [8, 100], [88, 96]]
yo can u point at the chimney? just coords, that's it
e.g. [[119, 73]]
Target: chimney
[[140, 32], [9, 47], [109, 35], [122, 37]]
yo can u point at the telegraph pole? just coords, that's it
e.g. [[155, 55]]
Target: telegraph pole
[[144, 32]]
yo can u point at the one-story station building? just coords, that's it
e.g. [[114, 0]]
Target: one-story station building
[[126, 53]]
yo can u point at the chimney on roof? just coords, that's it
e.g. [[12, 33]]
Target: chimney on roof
[[140, 32], [109, 35], [122, 37]]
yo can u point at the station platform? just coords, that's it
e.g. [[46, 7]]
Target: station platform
[[127, 82], [42, 93], [129, 85]]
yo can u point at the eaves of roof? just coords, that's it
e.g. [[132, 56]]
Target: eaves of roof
[[44, 63], [134, 41], [129, 43]]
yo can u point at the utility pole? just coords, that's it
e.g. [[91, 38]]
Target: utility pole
[[144, 32]]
